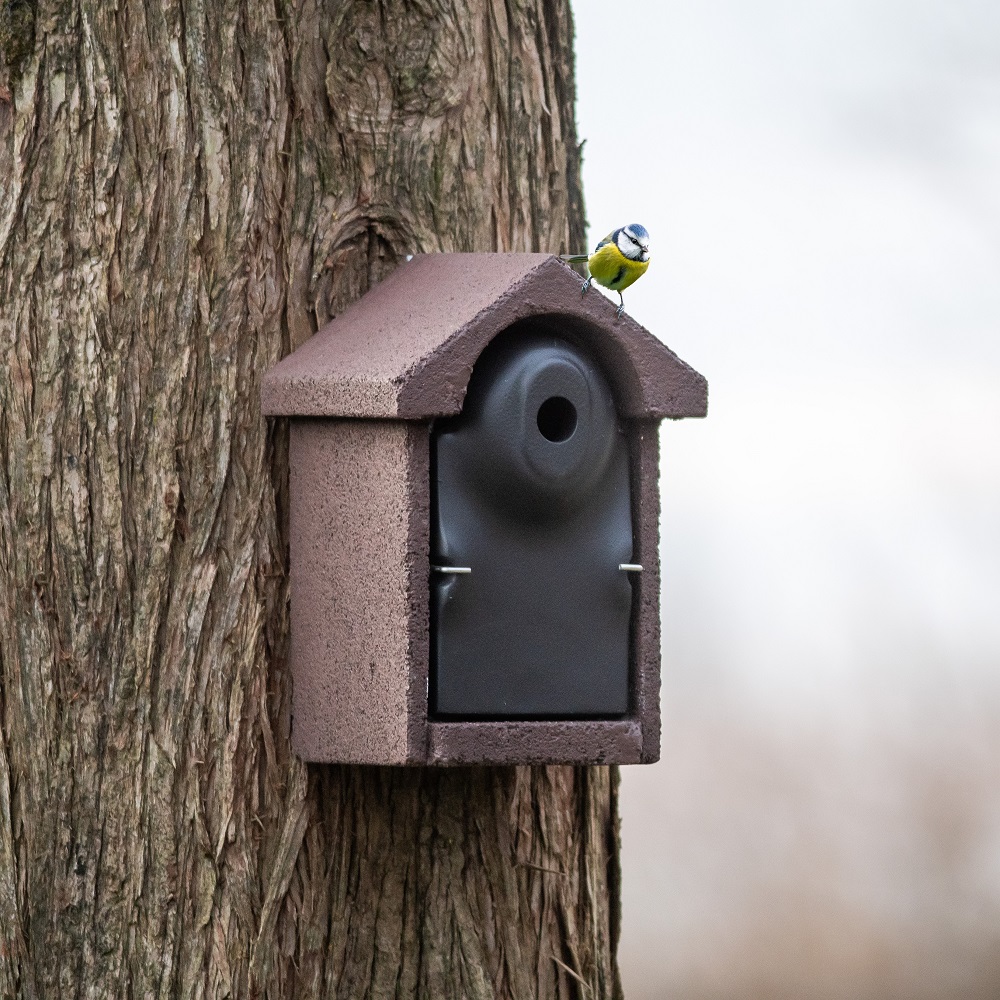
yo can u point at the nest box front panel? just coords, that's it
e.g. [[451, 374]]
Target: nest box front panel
[[532, 541]]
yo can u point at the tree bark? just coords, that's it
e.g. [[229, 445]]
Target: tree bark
[[188, 189]]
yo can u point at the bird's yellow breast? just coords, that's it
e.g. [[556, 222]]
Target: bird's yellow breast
[[611, 268]]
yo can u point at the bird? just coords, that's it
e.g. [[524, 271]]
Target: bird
[[618, 260]]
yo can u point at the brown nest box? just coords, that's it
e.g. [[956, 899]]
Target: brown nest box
[[474, 488]]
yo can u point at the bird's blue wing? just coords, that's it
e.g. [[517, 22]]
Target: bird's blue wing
[[610, 238]]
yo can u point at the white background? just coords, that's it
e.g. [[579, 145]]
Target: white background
[[821, 182]]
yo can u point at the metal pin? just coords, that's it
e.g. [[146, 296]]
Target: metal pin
[[452, 569], [630, 567]]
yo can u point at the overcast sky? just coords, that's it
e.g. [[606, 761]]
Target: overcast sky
[[821, 182]]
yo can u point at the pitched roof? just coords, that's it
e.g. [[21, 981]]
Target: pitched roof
[[405, 350]]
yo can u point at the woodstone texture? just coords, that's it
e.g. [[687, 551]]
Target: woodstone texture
[[188, 189]]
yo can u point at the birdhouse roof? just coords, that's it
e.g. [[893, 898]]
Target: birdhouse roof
[[406, 349]]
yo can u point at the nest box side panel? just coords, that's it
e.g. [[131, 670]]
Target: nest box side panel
[[645, 436], [358, 563]]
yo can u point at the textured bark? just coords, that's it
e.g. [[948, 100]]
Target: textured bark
[[187, 189]]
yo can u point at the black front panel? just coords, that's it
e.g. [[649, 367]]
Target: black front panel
[[531, 494]]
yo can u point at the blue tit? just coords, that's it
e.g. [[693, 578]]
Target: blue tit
[[619, 259]]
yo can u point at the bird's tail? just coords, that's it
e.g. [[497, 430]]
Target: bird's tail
[[574, 258]]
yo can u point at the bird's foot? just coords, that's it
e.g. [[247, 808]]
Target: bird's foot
[[621, 309], [586, 285]]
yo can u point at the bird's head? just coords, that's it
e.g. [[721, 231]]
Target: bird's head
[[633, 241]]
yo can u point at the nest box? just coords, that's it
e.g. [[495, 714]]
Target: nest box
[[474, 519]]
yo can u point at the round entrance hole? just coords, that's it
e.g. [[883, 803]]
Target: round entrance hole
[[557, 419]]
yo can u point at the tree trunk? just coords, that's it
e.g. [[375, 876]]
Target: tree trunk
[[188, 189]]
